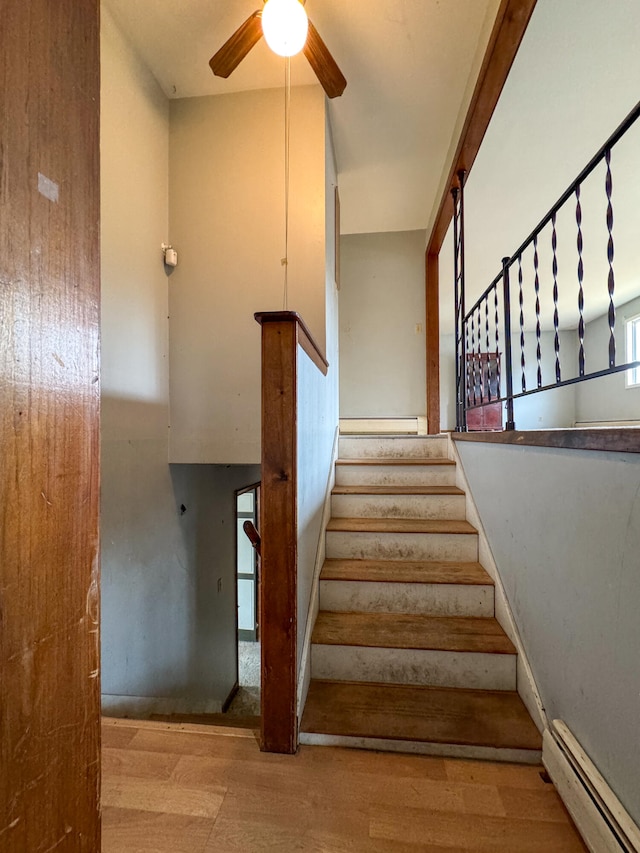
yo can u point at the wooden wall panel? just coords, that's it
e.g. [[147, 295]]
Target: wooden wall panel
[[49, 409]]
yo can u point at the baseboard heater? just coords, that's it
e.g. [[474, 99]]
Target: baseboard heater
[[604, 824], [598, 424]]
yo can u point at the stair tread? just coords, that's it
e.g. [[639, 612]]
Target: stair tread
[[400, 525], [448, 715], [412, 631], [397, 490], [410, 571], [396, 460]]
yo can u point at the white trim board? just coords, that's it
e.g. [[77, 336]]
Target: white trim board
[[141, 707], [597, 424], [602, 821]]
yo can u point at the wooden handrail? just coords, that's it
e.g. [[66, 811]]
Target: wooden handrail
[[304, 336], [252, 535], [282, 333]]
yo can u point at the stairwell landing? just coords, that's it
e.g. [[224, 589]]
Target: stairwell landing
[[406, 653]]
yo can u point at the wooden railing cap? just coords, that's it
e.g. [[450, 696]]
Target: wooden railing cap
[[304, 336]]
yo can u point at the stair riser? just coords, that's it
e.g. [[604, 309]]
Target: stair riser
[[476, 670], [421, 447], [418, 598], [395, 475], [402, 546], [398, 506]]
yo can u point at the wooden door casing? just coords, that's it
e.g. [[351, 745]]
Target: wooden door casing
[[49, 419]]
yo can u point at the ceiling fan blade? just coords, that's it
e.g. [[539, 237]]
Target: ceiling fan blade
[[324, 65], [238, 46]]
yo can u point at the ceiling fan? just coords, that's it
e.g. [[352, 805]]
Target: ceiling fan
[[234, 50]]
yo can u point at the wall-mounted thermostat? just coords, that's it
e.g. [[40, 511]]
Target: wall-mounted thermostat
[[170, 255]]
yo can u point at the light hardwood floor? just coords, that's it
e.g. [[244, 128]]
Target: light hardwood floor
[[171, 788]]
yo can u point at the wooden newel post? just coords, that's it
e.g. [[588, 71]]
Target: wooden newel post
[[278, 532]]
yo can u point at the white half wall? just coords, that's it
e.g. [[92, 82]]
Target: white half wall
[[564, 529]]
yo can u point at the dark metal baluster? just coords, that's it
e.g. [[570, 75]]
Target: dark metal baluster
[[556, 320], [486, 320], [521, 300], [536, 284], [480, 373], [580, 284], [497, 322], [469, 378], [473, 357], [463, 354], [457, 324], [611, 278], [510, 424]]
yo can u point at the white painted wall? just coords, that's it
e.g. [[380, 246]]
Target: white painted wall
[[382, 311], [607, 399], [564, 528], [551, 409], [317, 422], [316, 430], [135, 218], [167, 634], [227, 222]]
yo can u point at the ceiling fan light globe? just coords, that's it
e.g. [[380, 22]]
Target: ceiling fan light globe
[[285, 25]]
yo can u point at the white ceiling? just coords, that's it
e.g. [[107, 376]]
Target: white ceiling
[[410, 67]]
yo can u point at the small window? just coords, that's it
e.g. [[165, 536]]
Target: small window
[[633, 350]]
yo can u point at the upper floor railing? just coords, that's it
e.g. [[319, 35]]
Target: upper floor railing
[[486, 349]]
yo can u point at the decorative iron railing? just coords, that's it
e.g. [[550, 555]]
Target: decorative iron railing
[[484, 344]]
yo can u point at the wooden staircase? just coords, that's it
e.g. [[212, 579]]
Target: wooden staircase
[[406, 652]]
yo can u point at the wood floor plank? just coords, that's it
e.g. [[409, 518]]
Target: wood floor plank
[[324, 767], [128, 762], [324, 800], [400, 525], [396, 490], [492, 773], [488, 718], [412, 631], [405, 571], [195, 743], [480, 834], [126, 830], [328, 762], [537, 804], [117, 736], [159, 795]]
